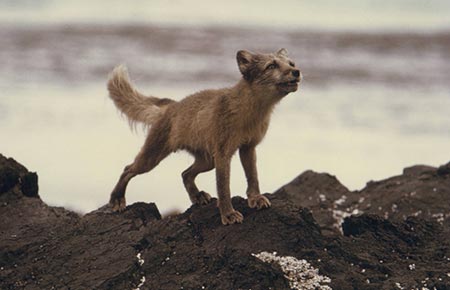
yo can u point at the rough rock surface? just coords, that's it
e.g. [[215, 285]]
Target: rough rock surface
[[421, 191], [398, 239]]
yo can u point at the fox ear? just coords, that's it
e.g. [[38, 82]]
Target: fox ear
[[244, 60], [282, 52]]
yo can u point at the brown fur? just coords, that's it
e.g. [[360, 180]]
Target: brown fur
[[212, 125]]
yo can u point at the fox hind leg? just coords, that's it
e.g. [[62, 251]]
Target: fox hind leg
[[117, 199], [155, 149], [201, 164]]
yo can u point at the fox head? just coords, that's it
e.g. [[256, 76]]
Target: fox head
[[275, 73]]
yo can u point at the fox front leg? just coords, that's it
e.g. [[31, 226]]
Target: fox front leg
[[247, 155], [227, 213]]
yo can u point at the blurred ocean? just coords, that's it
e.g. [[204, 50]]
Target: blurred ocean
[[375, 98]]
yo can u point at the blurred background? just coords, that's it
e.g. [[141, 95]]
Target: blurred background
[[375, 96]]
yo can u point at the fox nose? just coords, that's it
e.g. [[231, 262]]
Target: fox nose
[[296, 73]]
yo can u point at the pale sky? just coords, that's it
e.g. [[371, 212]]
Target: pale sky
[[322, 14]]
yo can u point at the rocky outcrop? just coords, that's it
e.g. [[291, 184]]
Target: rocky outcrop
[[299, 243], [421, 191]]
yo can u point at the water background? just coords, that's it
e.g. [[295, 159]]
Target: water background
[[375, 98]]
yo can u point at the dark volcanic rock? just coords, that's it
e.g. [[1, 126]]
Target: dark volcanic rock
[[414, 253], [13, 174], [321, 193], [43, 247], [421, 191]]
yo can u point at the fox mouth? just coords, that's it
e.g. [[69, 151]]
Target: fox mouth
[[289, 84]]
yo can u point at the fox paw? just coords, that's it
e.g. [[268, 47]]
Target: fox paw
[[232, 218], [201, 198], [258, 201], [118, 204]]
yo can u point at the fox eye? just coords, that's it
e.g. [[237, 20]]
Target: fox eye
[[292, 64], [272, 66]]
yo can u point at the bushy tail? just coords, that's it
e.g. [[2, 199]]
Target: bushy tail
[[137, 107]]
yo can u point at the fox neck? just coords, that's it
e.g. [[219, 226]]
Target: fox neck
[[254, 98], [252, 104]]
